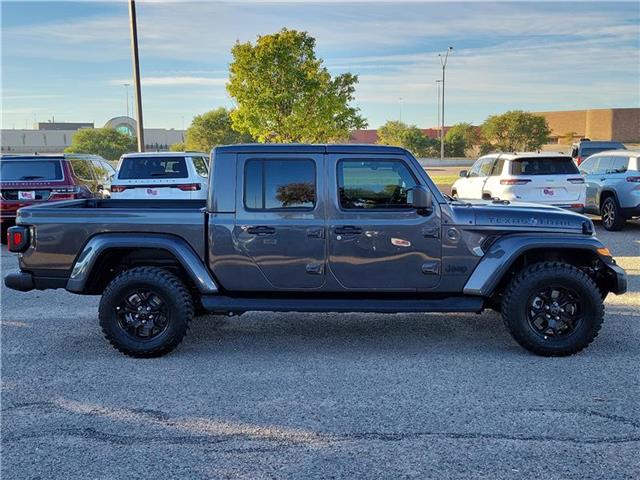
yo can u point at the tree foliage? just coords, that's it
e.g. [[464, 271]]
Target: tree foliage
[[177, 147], [460, 138], [211, 129], [285, 94], [516, 130], [410, 137], [106, 142]]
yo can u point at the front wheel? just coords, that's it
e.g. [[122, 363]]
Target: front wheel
[[145, 312], [553, 309]]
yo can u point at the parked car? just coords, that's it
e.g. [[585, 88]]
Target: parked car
[[30, 179], [613, 186], [162, 176], [545, 178], [581, 150], [338, 228]]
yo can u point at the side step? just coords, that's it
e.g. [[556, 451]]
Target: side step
[[221, 303]]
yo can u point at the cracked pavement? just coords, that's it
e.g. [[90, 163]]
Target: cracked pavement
[[319, 396]]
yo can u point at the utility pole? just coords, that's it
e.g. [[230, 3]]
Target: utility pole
[[438, 82], [136, 74], [443, 61]]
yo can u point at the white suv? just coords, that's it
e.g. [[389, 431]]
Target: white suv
[[162, 176], [547, 178]]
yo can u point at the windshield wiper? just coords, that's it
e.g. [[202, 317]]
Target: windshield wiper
[[160, 174], [31, 177]]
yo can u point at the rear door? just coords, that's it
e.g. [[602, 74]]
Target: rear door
[[280, 223], [377, 241], [553, 180]]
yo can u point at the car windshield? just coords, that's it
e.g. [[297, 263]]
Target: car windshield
[[30, 170], [544, 166], [134, 168]]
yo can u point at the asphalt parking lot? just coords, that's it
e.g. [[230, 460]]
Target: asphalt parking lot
[[319, 396]]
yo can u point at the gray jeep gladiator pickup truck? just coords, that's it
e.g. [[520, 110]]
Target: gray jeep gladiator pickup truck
[[317, 228]]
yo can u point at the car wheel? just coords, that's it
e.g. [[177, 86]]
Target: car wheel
[[553, 309], [612, 218], [145, 312]]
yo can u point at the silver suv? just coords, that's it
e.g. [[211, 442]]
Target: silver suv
[[613, 186]]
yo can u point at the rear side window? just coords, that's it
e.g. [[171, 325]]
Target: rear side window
[[279, 184], [27, 170], [82, 169], [134, 168], [377, 184], [496, 171], [543, 166], [200, 164]]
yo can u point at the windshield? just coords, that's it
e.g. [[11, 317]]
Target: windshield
[[134, 168], [30, 170], [544, 166]]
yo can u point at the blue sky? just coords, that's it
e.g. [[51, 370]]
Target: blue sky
[[70, 59]]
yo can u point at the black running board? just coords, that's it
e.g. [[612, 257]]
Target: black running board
[[221, 303]]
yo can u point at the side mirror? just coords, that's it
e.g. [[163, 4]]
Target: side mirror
[[419, 197], [463, 173]]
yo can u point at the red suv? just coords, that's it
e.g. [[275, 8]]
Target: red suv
[[29, 179]]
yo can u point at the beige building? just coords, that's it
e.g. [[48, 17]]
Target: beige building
[[619, 124]]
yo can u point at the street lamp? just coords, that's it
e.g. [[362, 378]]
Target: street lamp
[[136, 73], [443, 61], [438, 82]]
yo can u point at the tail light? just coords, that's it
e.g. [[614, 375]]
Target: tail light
[[118, 188], [17, 239], [514, 181], [633, 179], [575, 180], [188, 187], [577, 205]]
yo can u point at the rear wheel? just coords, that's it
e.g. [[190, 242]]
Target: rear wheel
[[145, 312], [553, 309], [612, 218]]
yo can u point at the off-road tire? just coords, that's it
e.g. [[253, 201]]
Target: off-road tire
[[539, 275], [615, 220], [173, 292]]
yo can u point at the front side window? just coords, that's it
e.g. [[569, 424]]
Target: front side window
[[588, 165], [377, 184], [618, 165], [485, 167], [134, 168], [279, 184]]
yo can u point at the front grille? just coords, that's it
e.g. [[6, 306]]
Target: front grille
[[13, 194]]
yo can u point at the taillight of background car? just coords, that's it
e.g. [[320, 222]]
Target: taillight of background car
[[17, 239], [514, 181]]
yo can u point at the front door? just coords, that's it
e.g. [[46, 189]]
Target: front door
[[280, 220], [376, 240]]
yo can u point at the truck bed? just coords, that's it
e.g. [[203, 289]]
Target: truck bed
[[61, 229]]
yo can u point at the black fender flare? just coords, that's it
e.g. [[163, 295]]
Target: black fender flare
[[504, 252], [178, 247]]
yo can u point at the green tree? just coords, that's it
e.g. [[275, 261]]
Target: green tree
[[410, 137], [106, 142], [459, 138], [211, 129], [177, 147], [516, 130], [285, 94]]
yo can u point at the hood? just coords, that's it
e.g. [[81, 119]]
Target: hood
[[520, 216]]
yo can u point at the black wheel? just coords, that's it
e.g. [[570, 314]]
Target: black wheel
[[612, 218], [145, 312], [553, 309]]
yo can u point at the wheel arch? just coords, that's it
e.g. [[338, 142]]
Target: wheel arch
[[106, 255], [512, 253]]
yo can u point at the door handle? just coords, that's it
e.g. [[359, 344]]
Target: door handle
[[347, 230], [261, 230]]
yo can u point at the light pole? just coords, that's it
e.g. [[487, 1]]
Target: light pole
[[136, 74], [438, 82], [400, 107], [126, 89], [443, 61]]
